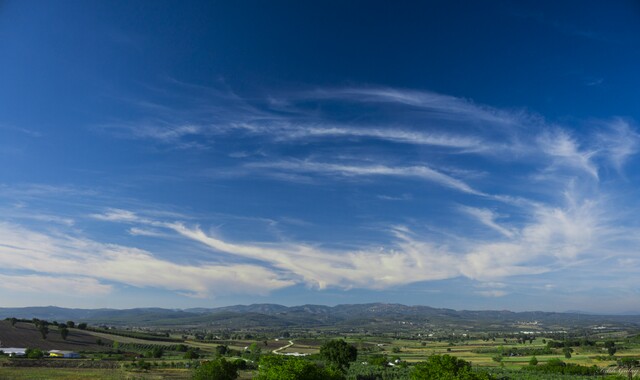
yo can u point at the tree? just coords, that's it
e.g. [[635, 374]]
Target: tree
[[44, 330], [155, 352], [378, 360], [64, 332], [629, 364], [254, 352], [533, 361], [276, 367], [82, 326], [339, 353], [71, 324], [446, 367], [13, 321], [218, 369], [191, 354], [567, 352], [34, 353], [222, 350]]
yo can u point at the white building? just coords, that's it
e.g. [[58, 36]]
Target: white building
[[13, 351]]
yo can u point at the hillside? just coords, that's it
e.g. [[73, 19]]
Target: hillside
[[372, 317], [26, 335]]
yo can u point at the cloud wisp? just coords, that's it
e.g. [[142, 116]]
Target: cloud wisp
[[419, 172], [67, 260], [553, 239]]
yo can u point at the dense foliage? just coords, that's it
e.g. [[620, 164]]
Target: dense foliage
[[290, 368], [446, 367], [338, 353], [557, 366], [219, 369]]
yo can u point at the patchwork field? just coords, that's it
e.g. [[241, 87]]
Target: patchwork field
[[26, 335]]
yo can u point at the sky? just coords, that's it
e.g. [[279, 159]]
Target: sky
[[459, 154]]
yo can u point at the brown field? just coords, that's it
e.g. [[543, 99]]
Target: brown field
[[26, 335]]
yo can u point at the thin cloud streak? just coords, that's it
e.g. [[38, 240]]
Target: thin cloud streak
[[420, 172], [70, 257], [555, 238]]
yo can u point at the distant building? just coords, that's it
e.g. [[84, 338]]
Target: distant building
[[63, 354], [13, 351]]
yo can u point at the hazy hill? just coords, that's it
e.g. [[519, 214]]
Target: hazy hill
[[361, 316]]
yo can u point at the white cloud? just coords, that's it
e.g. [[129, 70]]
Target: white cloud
[[69, 286], [488, 218], [566, 152], [618, 143], [492, 293], [421, 172], [299, 130], [440, 106], [135, 231], [117, 215], [69, 257]]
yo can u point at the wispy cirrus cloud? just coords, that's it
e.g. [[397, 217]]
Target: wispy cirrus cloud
[[566, 151], [45, 284], [488, 218], [440, 106], [80, 260], [554, 238], [420, 172], [618, 142], [303, 129]]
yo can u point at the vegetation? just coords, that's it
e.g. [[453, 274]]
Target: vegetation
[[446, 367], [426, 351], [219, 369], [338, 353], [284, 368]]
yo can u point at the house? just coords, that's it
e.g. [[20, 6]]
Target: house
[[13, 351], [63, 354]]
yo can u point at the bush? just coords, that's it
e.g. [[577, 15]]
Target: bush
[[191, 354], [219, 369], [34, 353], [446, 367], [274, 367]]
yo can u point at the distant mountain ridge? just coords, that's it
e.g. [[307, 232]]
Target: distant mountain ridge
[[370, 315]]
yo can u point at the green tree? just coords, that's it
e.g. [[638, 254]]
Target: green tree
[[378, 360], [13, 321], [82, 326], [339, 353], [71, 324], [155, 352], [43, 329], [533, 361], [446, 367], [218, 369], [567, 352], [254, 352], [191, 354], [629, 364], [276, 367], [64, 332], [34, 353], [222, 350]]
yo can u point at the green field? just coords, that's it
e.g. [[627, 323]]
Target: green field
[[88, 374]]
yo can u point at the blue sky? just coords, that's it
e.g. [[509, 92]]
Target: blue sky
[[453, 154]]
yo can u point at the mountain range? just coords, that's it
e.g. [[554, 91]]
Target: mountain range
[[372, 317]]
